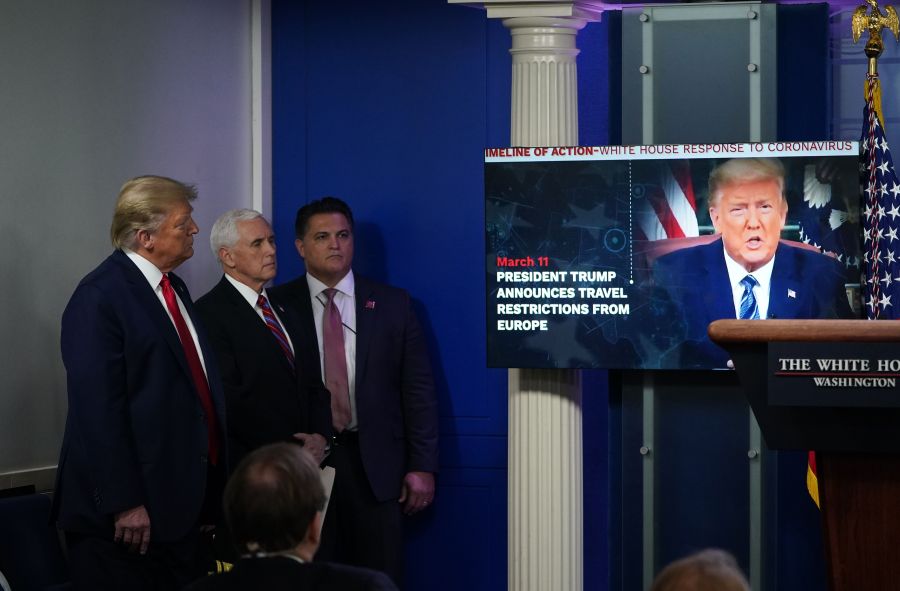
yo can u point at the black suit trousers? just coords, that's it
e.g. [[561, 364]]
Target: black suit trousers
[[359, 529]]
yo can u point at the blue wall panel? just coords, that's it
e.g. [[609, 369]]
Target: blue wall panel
[[389, 106]]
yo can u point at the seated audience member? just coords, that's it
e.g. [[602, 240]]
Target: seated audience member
[[707, 570], [273, 507]]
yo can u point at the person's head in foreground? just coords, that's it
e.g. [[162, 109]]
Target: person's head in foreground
[[273, 502]]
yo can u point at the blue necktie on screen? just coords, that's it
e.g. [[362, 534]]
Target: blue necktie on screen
[[749, 307]]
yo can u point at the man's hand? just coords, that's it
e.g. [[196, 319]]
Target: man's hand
[[418, 491], [133, 529], [314, 444]]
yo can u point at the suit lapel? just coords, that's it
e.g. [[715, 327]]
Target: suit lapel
[[247, 316], [366, 309], [209, 360], [787, 288], [150, 305], [294, 299], [718, 298]]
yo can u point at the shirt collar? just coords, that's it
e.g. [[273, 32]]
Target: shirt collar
[[247, 292], [345, 286], [736, 271], [150, 271]]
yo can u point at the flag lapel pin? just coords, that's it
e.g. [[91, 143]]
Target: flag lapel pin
[[792, 294], [370, 304]]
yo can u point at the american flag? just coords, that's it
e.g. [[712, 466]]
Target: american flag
[[881, 242], [669, 209], [881, 210]]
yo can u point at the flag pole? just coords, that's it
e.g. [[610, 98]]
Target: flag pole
[[874, 22], [868, 18]]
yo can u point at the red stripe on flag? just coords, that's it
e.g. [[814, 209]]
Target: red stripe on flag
[[659, 203], [681, 170], [812, 478]]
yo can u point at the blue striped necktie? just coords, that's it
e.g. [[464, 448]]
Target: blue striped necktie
[[275, 328], [749, 307]]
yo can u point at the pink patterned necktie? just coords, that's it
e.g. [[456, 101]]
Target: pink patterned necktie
[[336, 379], [197, 373], [275, 328]]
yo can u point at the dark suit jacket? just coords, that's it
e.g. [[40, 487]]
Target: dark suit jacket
[[267, 401], [805, 284], [136, 433], [280, 573], [395, 399]]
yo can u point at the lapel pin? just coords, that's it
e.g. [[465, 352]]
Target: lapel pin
[[370, 304], [792, 294]]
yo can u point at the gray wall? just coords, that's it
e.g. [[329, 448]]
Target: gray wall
[[95, 92]]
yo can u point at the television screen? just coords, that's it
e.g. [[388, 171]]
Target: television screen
[[620, 256]]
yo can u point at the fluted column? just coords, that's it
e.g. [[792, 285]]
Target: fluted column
[[545, 548], [544, 81], [546, 517], [545, 474]]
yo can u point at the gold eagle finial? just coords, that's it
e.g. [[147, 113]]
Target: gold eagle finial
[[874, 22]]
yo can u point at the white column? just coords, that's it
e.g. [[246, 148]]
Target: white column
[[544, 81], [545, 548], [546, 518], [545, 481]]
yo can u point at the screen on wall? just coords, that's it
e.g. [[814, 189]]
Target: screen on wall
[[620, 256]]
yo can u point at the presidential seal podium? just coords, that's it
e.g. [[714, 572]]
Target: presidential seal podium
[[832, 386]]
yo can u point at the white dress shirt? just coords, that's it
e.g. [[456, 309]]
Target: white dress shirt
[[153, 275], [763, 275]]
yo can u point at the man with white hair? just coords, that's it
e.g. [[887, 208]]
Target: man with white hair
[[269, 393]]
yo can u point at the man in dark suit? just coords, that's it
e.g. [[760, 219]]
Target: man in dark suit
[[141, 466], [269, 393], [373, 356], [273, 507], [747, 273]]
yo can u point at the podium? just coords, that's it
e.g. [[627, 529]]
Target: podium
[[833, 386]]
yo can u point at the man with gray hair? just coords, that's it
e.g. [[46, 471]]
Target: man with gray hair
[[270, 395], [142, 462]]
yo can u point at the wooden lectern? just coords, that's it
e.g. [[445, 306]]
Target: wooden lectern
[[833, 386]]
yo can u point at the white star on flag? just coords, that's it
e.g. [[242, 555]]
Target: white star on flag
[[881, 216]]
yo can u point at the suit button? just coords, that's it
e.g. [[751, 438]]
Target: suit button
[[203, 459]]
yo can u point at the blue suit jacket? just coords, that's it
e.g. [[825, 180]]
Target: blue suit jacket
[[136, 433], [805, 284], [396, 403]]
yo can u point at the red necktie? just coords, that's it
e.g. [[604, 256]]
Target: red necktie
[[193, 359], [336, 379], [275, 327]]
